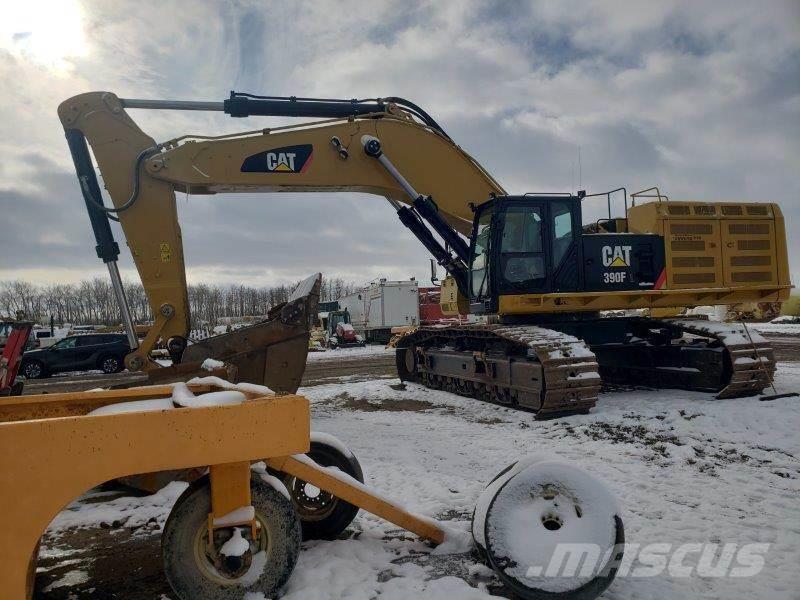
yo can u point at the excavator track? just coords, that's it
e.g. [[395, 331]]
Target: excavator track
[[527, 367], [752, 359], [692, 354]]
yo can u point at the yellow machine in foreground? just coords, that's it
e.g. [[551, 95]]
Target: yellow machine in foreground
[[528, 264], [67, 451], [237, 529]]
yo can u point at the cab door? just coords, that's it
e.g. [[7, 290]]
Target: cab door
[[566, 260], [539, 249], [523, 262]]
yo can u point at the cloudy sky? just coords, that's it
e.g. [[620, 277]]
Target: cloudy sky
[[699, 98]]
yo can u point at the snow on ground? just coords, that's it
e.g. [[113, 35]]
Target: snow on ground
[[346, 353], [684, 468], [776, 328], [132, 512]]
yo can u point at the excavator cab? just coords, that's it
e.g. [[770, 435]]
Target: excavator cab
[[524, 245], [535, 244]]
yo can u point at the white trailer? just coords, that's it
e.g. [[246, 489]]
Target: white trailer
[[375, 309]]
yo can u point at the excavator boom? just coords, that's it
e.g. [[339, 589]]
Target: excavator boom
[[142, 176]]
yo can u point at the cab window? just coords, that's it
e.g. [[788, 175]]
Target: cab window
[[522, 259], [480, 256], [562, 230]]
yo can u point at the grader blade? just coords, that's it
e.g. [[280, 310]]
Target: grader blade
[[273, 352]]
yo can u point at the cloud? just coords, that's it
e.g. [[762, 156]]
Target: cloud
[[701, 100]]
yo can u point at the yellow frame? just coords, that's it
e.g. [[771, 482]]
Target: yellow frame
[[53, 452]]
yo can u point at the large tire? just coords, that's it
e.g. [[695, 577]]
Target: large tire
[[192, 575], [33, 369], [565, 481], [323, 516]]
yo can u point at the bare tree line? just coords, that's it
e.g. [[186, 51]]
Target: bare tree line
[[92, 302]]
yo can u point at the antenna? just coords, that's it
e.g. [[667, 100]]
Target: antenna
[[572, 176], [580, 170]]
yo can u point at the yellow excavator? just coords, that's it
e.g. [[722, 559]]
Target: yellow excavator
[[535, 274]]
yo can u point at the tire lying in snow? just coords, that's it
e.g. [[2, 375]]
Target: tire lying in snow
[[527, 515], [323, 516], [266, 565]]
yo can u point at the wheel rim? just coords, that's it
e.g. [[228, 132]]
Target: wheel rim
[[310, 502], [33, 370], [204, 554], [110, 364]]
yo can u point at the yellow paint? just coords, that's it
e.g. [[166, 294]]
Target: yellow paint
[[49, 461], [618, 262], [358, 496], [520, 304], [433, 163], [230, 490]]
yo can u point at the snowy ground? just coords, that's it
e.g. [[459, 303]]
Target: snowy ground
[[776, 328], [684, 468]]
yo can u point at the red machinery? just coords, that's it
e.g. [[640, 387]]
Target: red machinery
[[16, 335], [430, 311], [340, 332]]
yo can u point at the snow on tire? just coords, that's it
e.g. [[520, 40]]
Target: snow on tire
[[529, 510], [185, 551], [322, 515]]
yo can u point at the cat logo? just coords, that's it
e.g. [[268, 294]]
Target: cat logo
[[616, 256], [280, 161], [289, 159]]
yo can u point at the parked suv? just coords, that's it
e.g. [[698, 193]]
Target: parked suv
[[104, 351]]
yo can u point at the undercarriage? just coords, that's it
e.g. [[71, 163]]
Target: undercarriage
[[558, 369]]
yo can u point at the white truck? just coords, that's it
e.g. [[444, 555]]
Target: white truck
[[375, 309]]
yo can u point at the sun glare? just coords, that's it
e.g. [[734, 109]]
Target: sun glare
[[45, 33]]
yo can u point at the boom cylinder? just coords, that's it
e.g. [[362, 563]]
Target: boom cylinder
[[455, 265]]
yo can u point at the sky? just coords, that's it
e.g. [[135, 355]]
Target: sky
[[699, 99]]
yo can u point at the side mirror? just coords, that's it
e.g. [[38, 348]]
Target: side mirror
[[434, 274]]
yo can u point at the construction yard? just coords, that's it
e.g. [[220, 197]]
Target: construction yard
[[685, 469]]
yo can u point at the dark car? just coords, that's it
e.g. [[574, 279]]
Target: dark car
[[104, 351]]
